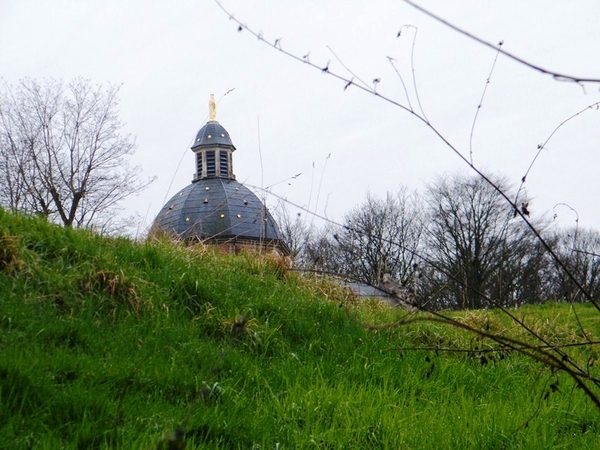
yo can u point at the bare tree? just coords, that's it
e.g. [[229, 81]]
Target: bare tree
[[526, 270], [380, 236], [63, 153], [319, 253], [294, 231], [472, 237], [580, 250]]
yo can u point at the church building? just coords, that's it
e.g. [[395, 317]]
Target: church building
[[215, 208]]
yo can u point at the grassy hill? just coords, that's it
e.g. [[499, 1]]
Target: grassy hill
[[108, 343]]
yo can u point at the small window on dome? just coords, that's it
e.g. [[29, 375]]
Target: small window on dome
[[223, 164], [199, 164], [210, 164]]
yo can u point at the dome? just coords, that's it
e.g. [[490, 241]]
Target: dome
[[216, 208], [219, 210], [213, 134]]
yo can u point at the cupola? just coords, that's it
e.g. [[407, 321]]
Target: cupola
[[213, 149], [215, 208]]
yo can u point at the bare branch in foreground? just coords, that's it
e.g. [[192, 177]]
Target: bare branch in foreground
[[555, 75], [549, 355]]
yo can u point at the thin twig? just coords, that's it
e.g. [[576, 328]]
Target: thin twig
[[555, 75], [391, 61], [414, 76], [487, 83], [542, 146], [585, 253], [495, 349], [346, 67]]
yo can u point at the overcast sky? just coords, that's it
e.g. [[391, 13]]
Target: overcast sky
[[170, 56]]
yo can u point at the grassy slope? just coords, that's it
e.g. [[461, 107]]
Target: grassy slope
[[105, 343]]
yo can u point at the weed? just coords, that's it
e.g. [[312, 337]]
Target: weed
[[121, 290], [10, 252]]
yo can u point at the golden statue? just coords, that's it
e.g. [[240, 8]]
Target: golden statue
[[212, 108]]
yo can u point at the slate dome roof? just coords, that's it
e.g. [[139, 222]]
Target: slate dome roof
[[217, 209], [213, 134]]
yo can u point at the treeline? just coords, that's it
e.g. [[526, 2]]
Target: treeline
[[459, 243]]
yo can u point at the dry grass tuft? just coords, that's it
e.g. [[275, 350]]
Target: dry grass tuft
[[117, 285], [10, 253], [482, 321], [556, 329], [260, 264], [157, 234], [330, 289], [280, 263]]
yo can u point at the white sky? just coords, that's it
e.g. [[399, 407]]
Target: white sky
[[170, 56]]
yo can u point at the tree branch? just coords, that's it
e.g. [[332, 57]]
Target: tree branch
[[555, 75]]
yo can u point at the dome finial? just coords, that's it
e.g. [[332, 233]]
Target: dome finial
[[212, 108]]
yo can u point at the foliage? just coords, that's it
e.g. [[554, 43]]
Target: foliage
[[109, 343]]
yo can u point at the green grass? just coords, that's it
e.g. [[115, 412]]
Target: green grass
[[108, 343]]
